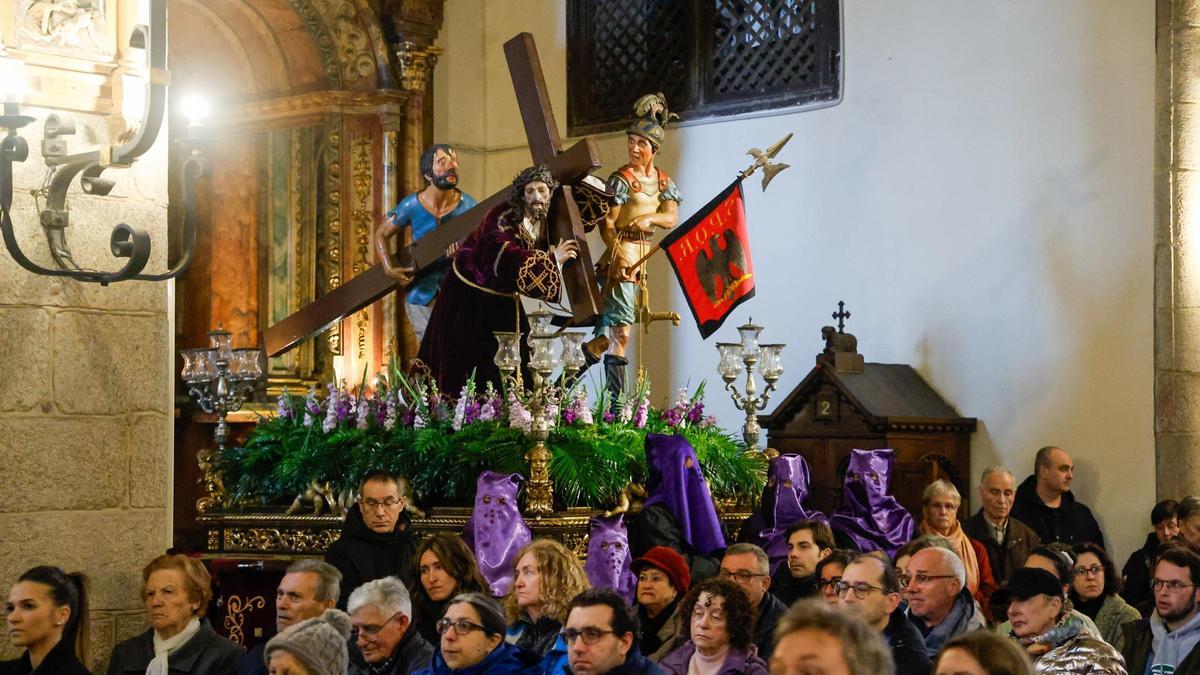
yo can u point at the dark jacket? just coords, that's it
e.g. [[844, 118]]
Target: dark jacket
[[1139, 643], [635, 664], [907, 645], [669, 634], [503, 660], [770, 610], [655, 525], [255, 662], [1136, 575], [413, 653], [737, 662], [363, 555], [789, 589], [1019, 540], [538, 637], [60, 660], [426, 614], [205, 654], [1071, 523]]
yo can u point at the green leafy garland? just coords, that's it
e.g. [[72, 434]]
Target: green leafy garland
[[442, 445]]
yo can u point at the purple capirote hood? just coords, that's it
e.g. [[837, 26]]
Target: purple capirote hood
[[783, 503], [869, 514], [496, 529], [608, 556], [676, 482]]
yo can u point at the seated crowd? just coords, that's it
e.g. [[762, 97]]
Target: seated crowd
[[1023, 586]]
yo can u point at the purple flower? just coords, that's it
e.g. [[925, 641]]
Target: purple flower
[[608, 417], [696, 412], [643, 412], [409, 418], [283, 407]]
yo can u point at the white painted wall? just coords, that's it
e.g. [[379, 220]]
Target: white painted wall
[[981, 199]]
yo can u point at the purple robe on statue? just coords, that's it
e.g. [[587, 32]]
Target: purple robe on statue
[[608, 556], [496, 530], [870, 516], [495, 264], [783, 503], [676, 482]]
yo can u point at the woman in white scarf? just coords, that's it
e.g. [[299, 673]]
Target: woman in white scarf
[[176, 592]]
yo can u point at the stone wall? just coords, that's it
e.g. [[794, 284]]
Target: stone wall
[[85, 396], [1176, 252]]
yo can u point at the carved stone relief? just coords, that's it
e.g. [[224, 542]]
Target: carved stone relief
[[82, 27]]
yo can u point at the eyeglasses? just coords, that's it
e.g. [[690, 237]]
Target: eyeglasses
[[369, 632], [1173, 586], [590, 635], [861, 590], [461, 626], [1093, 571], [822, 584], [374, 504], [741, 576], [921, 578]]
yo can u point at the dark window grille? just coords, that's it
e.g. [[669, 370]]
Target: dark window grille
[[717, 57]]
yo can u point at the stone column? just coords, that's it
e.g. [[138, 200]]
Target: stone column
[[1177, 248]]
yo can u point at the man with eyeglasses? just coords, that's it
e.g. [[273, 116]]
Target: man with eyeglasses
[[382, 630], [375, 541], [1166, 642], [870, 588], [939, 603], [748, 566], [600, 637]]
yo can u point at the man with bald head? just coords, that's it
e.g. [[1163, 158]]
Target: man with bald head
[[939, 603], [1007, 540], [1045, 503]]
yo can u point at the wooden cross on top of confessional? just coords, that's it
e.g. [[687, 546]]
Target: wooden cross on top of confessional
[[564, 222]]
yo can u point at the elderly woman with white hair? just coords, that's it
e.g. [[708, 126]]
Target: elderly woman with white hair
[[939, 504], [387, 642]]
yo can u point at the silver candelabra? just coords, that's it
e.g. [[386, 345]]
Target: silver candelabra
[[220, 379], [749, 354]]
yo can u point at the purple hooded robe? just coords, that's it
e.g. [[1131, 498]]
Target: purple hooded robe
[[783, 503], [676, 482], [496, 530], [870, 516], [608, 556]]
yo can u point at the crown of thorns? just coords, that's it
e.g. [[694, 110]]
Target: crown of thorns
[[534, 173]]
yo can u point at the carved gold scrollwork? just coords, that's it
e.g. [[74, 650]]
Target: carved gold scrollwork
[[235, 610], [416, 64], [279, 540], [362, 154], [333, 219]]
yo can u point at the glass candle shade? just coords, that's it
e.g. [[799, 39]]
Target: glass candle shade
[[545, 357], [770, 362], [508, 351], [539, 323], [749, 332], [572, 351], [730, 365]]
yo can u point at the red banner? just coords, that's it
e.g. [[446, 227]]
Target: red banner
[[710, 254]]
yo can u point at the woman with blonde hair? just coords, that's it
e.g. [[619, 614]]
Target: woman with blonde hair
[[176, 590], [548, 577]]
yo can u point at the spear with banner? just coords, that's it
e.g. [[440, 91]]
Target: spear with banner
[[710, 253]]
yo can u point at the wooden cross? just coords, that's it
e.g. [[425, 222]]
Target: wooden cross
[[564, 221], [841, 315]]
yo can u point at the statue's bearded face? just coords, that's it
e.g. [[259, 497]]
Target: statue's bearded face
[[537, 200], [445, 170]]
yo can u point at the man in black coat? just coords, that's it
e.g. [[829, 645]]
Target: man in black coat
[[1044, 502], [375, 541], [384, 639], [748, 566], [870, 588]]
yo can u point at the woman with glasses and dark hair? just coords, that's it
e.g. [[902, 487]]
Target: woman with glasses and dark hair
[[445, 568], [472, 641], [829, 573], [721, 628], [1094, 592], [47, 613]]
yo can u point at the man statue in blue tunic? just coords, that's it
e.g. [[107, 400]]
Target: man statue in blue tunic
[[415, 216]]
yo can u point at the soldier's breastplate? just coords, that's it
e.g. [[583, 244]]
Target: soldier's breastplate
[[639, 204]]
